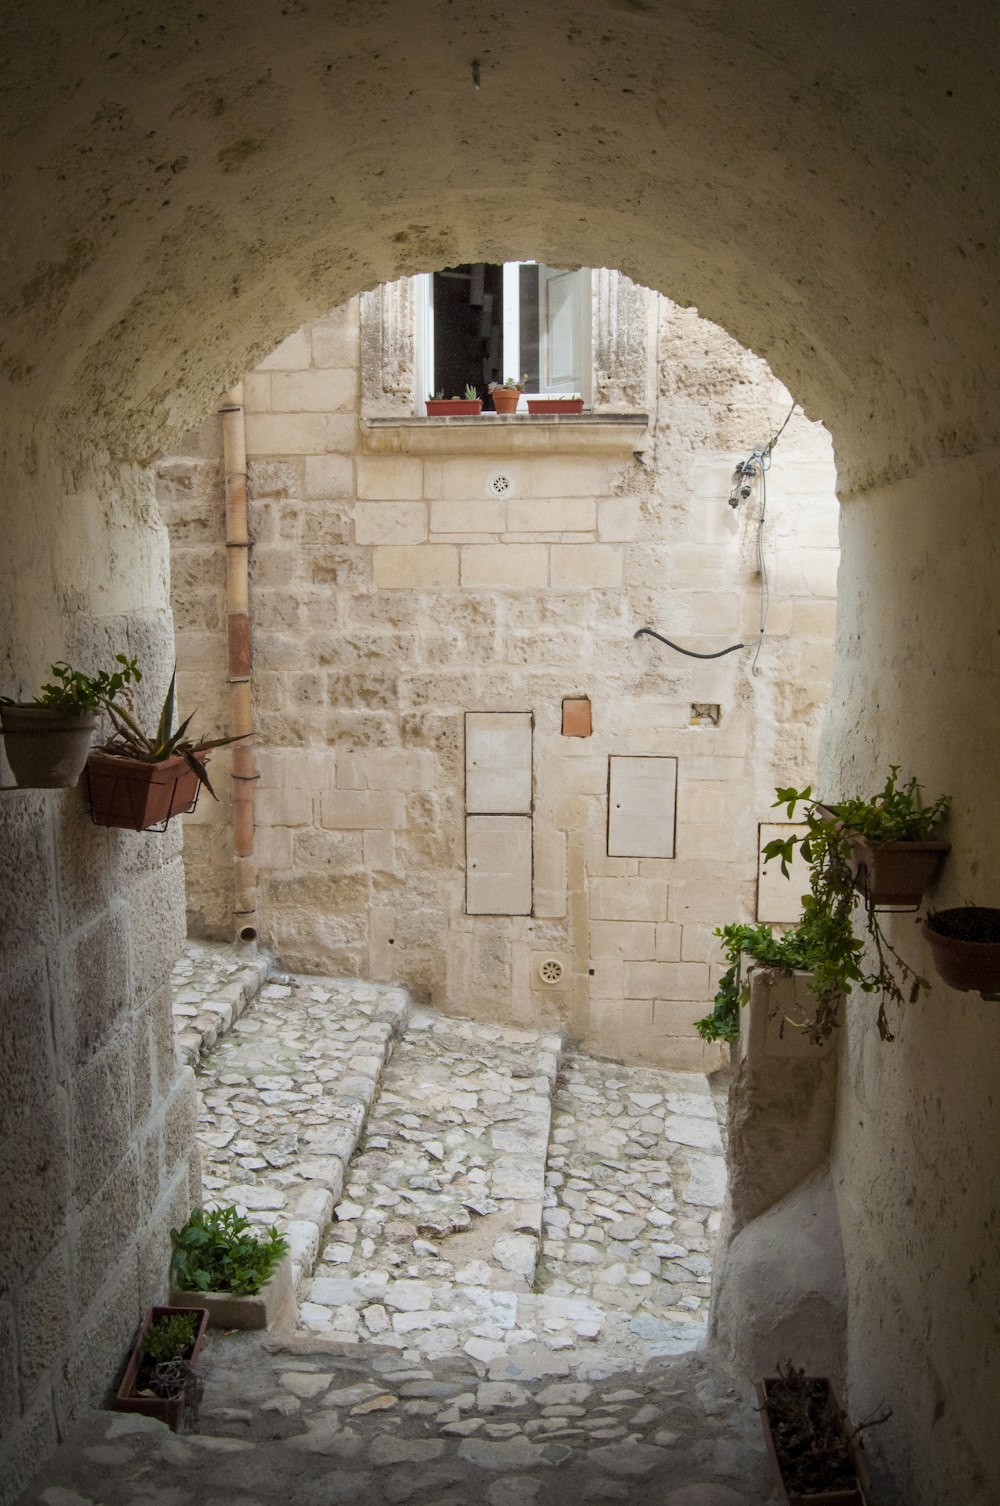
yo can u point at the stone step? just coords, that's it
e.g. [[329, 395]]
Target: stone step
[[285, 1095], [211, 985], [446, 1194]]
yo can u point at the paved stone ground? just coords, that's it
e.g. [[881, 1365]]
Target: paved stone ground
[[513, 1269], [325, 1425]]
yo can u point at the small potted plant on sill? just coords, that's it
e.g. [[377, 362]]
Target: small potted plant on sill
[[47, 740], [965, 945], [243, 1278], [439, 406], [160, 1380], [506, 395], [804, 948], [570, 403], [815, 1451], [139, 782]]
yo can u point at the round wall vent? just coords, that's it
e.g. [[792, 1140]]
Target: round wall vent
[[550, 970], [501, 485]]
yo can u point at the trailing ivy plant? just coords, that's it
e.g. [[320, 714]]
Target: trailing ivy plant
[[759, 942], [220, 1251]]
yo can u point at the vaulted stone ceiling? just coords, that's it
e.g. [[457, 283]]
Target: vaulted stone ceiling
[[185, 184]]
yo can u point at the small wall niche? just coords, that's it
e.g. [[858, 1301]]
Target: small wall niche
[[577, 716], [705, 714]]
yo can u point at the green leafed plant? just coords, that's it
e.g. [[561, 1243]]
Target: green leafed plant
[[170, 1338], [129, 741], [470, 393], [836, 955], [220, 1251], [787, 952], [73, 693]]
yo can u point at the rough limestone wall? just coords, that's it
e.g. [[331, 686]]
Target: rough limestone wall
[[391, 594], [191, 499], [918, 1140], [96, 1122]]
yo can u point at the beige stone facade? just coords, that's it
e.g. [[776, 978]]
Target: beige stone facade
[[408, 573]]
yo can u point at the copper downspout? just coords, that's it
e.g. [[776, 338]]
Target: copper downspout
[[239, 661]]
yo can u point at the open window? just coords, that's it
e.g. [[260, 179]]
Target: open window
[[480, 323]]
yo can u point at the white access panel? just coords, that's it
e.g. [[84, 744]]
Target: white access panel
[[498, 865], [498, 763], [642, 807], [779, 899]]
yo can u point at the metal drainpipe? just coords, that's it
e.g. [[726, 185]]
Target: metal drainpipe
[[239, 662]]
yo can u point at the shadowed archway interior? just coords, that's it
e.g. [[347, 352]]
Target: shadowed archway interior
[[185, 189]]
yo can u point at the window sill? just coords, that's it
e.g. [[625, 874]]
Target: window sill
[[523, 434]]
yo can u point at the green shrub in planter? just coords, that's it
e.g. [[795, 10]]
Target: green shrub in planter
[[220, 1251]]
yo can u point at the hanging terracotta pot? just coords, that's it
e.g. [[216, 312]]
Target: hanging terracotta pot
[[894, 875], [46, 749], [965, 945], [128, 793]]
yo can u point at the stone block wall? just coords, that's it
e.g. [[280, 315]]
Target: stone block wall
[[96, 1120], [401, 581]]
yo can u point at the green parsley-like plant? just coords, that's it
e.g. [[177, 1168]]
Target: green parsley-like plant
[[220, 1251], [787, 953], [73, 693], [170, 1338]]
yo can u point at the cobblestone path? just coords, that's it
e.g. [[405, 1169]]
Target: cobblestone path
[[317, 1424]]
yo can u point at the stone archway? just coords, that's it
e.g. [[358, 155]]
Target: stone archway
[[186, 196]]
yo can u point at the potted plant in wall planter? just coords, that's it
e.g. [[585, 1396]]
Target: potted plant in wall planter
[[554, 405], [160, 1379], [439, 406], [815, 1451], [47, 740], [896, 815], [139, 782], [965, 945], [506, 395], [243, 1278]]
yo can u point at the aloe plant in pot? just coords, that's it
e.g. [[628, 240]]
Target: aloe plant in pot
[[139, 781]]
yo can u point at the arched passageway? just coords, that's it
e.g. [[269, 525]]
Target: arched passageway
[[184, 198]]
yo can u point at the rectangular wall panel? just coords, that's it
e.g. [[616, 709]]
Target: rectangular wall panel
[[498, 762], [642, 807], [498, 865], [779, 899]]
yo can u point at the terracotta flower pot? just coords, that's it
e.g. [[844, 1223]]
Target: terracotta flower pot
[[454, 407], [894, 875], [844, 1493], [168, 1409], [505, 399], [128, 793], [46, 749], [555, 405], [965, 944]]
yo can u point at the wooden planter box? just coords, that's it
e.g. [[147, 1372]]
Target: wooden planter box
[[228, 1310], [454, 407], [852, 1496], [168, 1409], [127, 793]]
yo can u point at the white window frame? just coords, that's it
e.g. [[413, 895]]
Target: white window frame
[[511, 339]]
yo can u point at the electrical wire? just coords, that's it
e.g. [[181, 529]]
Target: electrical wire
[[754, 468]]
